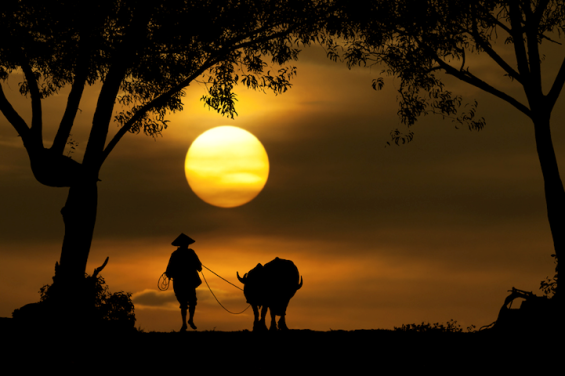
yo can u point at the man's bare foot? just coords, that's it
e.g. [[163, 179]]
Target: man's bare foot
[[184, 327], [192, 325]]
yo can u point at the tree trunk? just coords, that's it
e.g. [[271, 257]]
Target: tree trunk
[[553, 186], [79, 216]]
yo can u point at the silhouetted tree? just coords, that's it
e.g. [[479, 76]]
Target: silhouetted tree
[[416, 40], [143, 54], [92, 306]]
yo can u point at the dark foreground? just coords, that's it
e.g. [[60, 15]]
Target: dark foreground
[[291, 352]]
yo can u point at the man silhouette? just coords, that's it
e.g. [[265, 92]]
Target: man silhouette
[[183, 269]]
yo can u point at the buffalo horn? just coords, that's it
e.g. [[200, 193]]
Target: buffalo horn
[[300, 284], [242, 280]]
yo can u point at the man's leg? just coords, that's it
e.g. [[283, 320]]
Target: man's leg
[[192, 309], [183, 314], [191, 318]]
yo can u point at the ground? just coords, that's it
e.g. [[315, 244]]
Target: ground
[[295, 351]]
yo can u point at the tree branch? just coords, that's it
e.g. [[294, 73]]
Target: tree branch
[[493, 55], [73, 101], [518, 39], [466, 76], [500, 24], [14, 118], [538, 13], [36, 116], [555, 90], [93, 156], [532, 25], [152, 104], [99, 269], [235, 47]]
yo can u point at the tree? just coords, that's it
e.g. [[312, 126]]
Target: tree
[[143, 54], [416, 40]]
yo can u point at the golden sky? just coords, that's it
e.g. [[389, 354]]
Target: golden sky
[[435, 230]]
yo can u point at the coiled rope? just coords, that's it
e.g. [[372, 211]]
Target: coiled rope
[[163, 282]]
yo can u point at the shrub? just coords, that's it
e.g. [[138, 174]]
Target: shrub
[[104, 306], [451, 326]]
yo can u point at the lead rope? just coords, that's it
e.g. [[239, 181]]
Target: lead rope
[[233, 313], [163, 284]]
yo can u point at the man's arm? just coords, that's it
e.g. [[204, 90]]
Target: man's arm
[[198, 263], [169, 272]]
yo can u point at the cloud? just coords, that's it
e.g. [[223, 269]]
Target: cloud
[[154, 299]]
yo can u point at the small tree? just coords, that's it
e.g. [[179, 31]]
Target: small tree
[[416, 40], [143, 54]]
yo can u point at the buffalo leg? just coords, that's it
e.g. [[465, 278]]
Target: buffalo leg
[[282, 323], [259, 324], [273, 321], [255, 315], [263, 315]]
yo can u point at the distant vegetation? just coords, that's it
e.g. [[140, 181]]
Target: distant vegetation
[[451, 326]]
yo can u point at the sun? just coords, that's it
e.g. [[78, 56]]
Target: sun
[[226, 166]]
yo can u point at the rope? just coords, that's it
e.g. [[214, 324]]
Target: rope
[[163, 282], [233, 313], [223, 279]]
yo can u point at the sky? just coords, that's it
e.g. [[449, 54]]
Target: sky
[[436, 230]]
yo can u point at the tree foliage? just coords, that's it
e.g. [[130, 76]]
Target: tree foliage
[[145, 54], [419, 42]]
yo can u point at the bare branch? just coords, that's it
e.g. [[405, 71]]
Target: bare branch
[[100, 268]]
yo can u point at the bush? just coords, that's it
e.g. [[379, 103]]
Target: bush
[[116, 310]]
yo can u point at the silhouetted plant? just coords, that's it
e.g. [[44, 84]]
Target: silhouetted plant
[[548, 286], [114, 307], [451, 326]]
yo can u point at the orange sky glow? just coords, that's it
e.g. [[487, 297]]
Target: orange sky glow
[[435, 230]]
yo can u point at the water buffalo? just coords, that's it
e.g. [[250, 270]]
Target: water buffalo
[[271, 286]]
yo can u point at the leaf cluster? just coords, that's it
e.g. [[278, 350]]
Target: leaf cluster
[[416, 40], [155, 50], [35, 35], [549, 285]]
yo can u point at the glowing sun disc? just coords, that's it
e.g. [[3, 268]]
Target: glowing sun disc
[[226, 166]]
